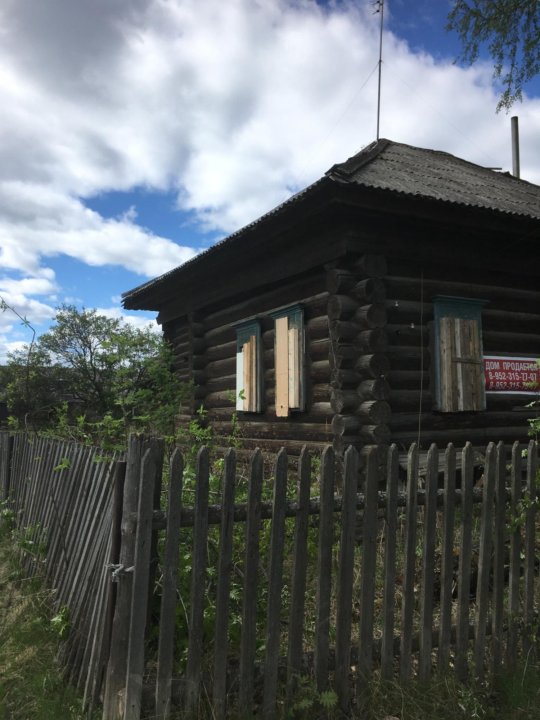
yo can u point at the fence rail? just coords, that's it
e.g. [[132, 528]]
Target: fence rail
[[247, 585]]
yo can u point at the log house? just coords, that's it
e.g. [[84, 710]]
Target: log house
[[361, 310]]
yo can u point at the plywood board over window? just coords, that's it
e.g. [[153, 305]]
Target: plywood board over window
[[248, 367], [289, 359], [458, 350]]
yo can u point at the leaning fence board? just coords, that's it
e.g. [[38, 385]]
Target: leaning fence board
[[447, 557], [299, 573], [275, 586], [168, 595], [409, 566], [464, 568], [345, 579], [224, 583], [198, 584], [428, 565], [113, 560], [324, 570], [390, 551], [251, 571]]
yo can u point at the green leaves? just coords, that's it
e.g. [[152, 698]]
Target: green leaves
[[510, 29], [94, 379]]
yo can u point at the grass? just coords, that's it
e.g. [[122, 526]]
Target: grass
[[31, 685]]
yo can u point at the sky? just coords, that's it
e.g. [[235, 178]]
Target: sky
[[136, 133]]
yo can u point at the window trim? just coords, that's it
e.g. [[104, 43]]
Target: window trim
[[244, 331], [295, 317], [458, 308]]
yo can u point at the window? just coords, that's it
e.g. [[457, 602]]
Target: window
[[458, 354], [248, 367], [289, 360]]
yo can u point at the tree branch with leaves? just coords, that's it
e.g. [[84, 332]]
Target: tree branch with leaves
[[510, 30]]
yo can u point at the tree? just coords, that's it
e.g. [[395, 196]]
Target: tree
[[510, 29], [115, 376]]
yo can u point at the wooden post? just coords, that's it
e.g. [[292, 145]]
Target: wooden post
[[113, 703], [141, 576], [114, 558]]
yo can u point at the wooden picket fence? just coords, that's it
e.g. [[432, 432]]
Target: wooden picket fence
[[61, 494], [333, 588], [251, 584]]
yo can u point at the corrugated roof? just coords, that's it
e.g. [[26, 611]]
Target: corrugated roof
[[405, 170], [408, 170]]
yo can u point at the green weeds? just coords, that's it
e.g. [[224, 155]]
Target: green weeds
[[31, 685]]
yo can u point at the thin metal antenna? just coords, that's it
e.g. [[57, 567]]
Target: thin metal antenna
[[380, 9]]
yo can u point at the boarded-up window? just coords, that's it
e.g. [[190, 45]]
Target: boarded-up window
[[289, 360], [459, 367], [248, 367]]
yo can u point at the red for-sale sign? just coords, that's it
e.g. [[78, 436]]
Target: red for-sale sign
[[511, 374]]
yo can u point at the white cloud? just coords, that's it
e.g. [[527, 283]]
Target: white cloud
[[141, 321], [232, 105]]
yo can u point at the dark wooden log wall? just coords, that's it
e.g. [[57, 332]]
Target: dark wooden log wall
[[357, 320], [216, 361], [510, 326], [369, 367]]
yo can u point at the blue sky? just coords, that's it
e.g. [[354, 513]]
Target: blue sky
[[135, 133]]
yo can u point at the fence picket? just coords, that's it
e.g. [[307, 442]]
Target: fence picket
[[484, 562], [369, 559], [167, 617], [428, 565], [275, 586], [141, 566], [69, 503], [499, 538], [345, 579], [299, 574], [93, 690], [529, 545], [515, 555], [113, 701], [251, 571], [447, 557], [409, 566], [324, 570], [198, 585], [390, 551], [464, 569]]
